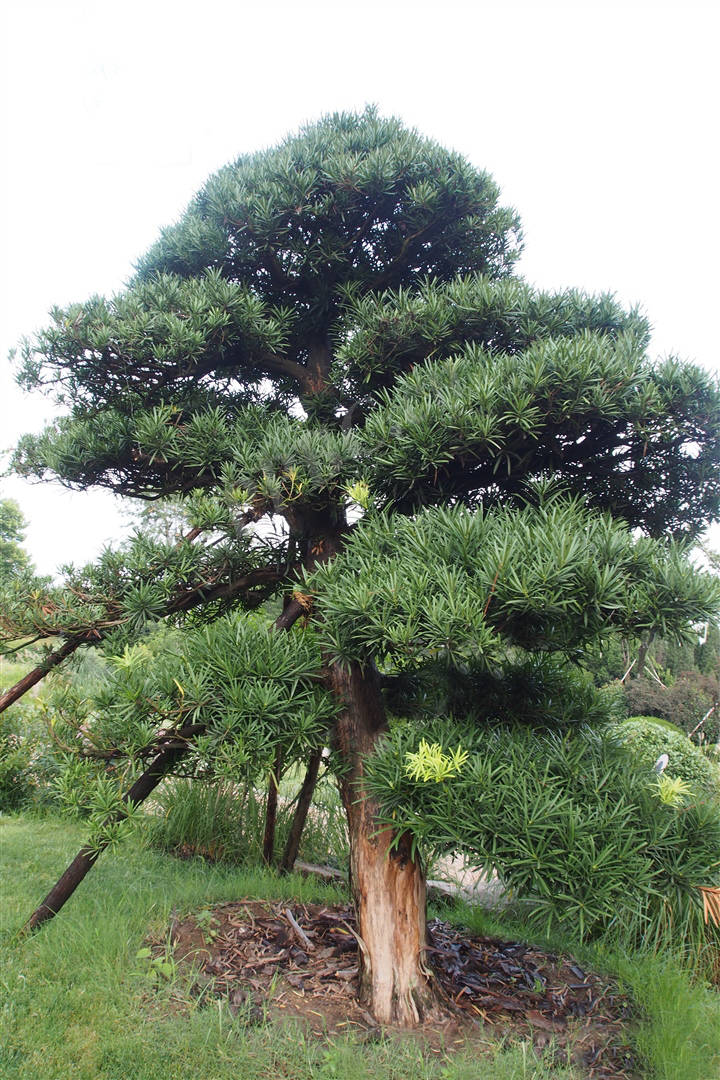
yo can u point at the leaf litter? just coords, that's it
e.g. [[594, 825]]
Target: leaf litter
[[274, 960]]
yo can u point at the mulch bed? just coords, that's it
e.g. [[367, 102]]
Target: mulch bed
[[301, 961]]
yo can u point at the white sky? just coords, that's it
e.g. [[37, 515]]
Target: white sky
[[598, 120]]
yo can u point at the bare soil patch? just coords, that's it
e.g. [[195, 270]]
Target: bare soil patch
[[270, 961]]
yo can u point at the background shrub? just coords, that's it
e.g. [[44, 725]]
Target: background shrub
[[646, 740], [16, 785], [684, 702], [29, 764]]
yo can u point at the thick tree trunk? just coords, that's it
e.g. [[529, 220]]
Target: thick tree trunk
[[388, 886]]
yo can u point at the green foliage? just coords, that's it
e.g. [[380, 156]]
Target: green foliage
[[364, 271], [542, 691], [13, 560], [145, 579], [85, 790], [451, 427], [49, 759], [467, 585], [431, 764], [672, 790], [666, 725], [360, 196], [647, 742], [250, 690], [394, 332], [570, 822], [260, 264]]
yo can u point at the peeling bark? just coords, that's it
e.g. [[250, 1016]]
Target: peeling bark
[[388, 884]]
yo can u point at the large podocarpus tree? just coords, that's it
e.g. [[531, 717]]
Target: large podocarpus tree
[[332, 335]]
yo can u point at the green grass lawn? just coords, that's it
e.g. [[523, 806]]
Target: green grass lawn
[[73, 1003], [12, 670]]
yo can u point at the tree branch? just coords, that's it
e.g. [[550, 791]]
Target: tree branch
[[38, 673], [140, 790]]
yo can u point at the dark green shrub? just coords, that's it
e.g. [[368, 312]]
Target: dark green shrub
[[572, 822], [684, 702], [647, 741]]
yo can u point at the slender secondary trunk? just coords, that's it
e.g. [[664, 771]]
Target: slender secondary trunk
[[86, 858], [271, 809], [145, 784], [292, 845], [388, 884], [642, 654]]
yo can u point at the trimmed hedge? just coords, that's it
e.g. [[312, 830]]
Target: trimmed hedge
[[647, 741], [658, 721]]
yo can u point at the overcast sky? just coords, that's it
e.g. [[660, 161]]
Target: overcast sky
[[598, 120]]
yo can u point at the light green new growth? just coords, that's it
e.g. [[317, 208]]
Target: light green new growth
[[359, 492], [671, 790], [430, 762]]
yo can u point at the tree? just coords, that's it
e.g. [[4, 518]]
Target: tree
[[332, 337], [13, 560]]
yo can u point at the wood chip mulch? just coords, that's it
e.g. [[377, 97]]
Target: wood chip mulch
[[301, 961]]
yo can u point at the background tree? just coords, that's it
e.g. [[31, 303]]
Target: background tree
[[333, 325], [678, 682], [165, 520], [13, 559]]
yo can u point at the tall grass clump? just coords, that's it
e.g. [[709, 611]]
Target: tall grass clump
[[325, 837], [219, 820], [223, 820]]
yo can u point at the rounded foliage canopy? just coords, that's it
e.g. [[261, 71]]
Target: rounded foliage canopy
[[350, 291]]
